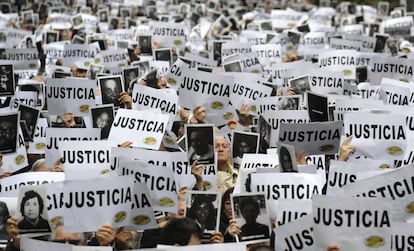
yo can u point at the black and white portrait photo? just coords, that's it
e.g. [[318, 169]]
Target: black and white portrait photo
[[51, 37], [143, 67], [32, 213], [200, 143], [163, 55], [265, 130], [28, 17], [287, 158], [317, 107], [102, 117], [7, 85], [251, 213], [204, 208], [113, 23], [77, 22], [8, 132], [288, 102], [29, 42], [94, 69], [234, 66], [381, 42], [103, 16], [110, 88], [130, 74], [300, 84], [145, 44], [30, 116], [5, 213], [243, 142]]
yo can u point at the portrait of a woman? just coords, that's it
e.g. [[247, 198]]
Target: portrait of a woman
[[31, 208]]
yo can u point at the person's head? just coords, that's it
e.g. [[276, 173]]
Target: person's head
[[29, 42], [249, 209], [226, 203], [40, 166], [287, 104], [32, 205], [202, 208], [285, 160], [59, 235], [7, 131], [243, 148], [199, 142], [200, 113], [181, 232], [103, 120], [111, 90], [222, 149], [4, 212]]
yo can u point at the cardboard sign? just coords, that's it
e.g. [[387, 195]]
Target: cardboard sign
[[269, 54], [94, 202], [368, 221], [197, 86], [247, 89], [148, 98], [142, 214], [398, 27], [384, 140], [344, 61], [113, 58], [312, 138], [390, 67], [169, 35], [285, 18], [144, 128], [70, 95], [22, 58], [288, 211], [159, 180]]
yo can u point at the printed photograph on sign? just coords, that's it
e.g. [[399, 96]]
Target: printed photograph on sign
[[289, 102], [29, 42], [131, 75], [7, 85], [300, 84], [28, 18], [143, 67], [31, 210], [163, 55], [204, 208], [381, 42], [51, 37], [103, 15], [77, 22], [383, 8], [243, 142], [145, 44], [234, 66], [361, 73], [93, 70], [200, 143], [102, 117], [317, 107], [110, 88], [29, 116], [265, 134], [251, 213], [287, 158], [8, 135]]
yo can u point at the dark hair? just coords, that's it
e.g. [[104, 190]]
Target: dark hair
[[30, 195], [198, 201], [249, 201], [6, 214], [179, 231]]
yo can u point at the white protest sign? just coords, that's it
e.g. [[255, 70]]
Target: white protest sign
[[285, 18], [326, 82], [142, 214], [147, 98], [14, 36], [322, 16], [22, 58], [38, 145], [29, 244], [377, 135], [70, 95], [352, 29], [339, 61], [23, 97], [269, 54], [362, 223], [250, 62], [234, 47], [277, 70], [344, 44], [120, 34], [286, 185], [174, 74], [312, 138], [390, 67], [197, 86], [247, 89], [169, 34], [291, 210], [89, 204], [90, 21], [159, 180], [85, 159], [396, 184], [113, 58], [296, 235], [79, 53], [144, 128], [402, 236], [55, 135], [396, 92], [276, 118], [398, 27], [250, 163], [10, 185], [368, 43], [313, 40], [253, 37]]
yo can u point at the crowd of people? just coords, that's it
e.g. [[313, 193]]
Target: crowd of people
[[221, 21]]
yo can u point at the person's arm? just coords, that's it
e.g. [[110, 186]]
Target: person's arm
[[232, 230], [125, 99], [13, 231], [197, 170], [345, 150], [216, 237], [105, 235]]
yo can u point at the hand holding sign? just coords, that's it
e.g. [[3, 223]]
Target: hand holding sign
[[345, 149], [197, 170], [13, 231], [105, 235]]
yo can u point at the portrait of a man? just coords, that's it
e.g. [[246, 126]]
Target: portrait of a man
[[110, 88], [200, 143], [102, 117], [8, 132]]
